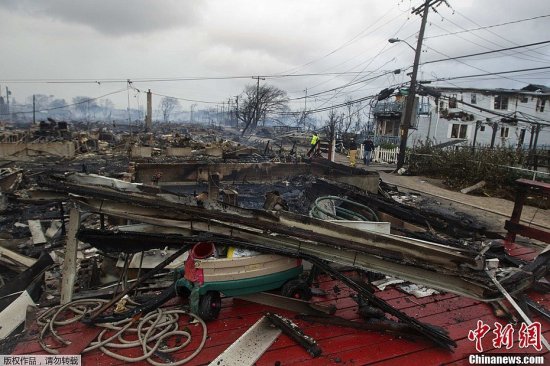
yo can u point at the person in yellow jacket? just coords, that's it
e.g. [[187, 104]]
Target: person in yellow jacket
[[314, 143]]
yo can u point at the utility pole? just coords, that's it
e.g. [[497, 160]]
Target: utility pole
[[257, 109], [8, 92], [412, 90], [229, 113], [149, 117], [33, 108], [237, 112]]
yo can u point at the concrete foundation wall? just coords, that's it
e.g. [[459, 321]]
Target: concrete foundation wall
[[64, 149], [213, 151], [368, 183], [178, 151], [255, 173], [237, 172], [141, 151]]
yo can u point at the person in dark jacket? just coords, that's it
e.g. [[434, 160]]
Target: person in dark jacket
[[368, 145]]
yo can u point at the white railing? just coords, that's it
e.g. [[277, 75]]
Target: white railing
[[385, 155], [380, 155]]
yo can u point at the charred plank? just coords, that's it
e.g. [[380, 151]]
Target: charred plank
[[293, 331]]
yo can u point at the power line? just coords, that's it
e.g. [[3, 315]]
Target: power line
[[487, 40], [323, 109], [472, 66], [486, 52], [487, 74], [346, 85], [494, 33], [512, 54], [357, 36], [351, 82], [488, 26], [69, 105], [187, 100], [150, 80]]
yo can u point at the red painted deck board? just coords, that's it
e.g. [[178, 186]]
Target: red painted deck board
[[340, 345]]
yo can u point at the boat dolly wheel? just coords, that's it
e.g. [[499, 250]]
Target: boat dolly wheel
[[297, 289], [210, 305]]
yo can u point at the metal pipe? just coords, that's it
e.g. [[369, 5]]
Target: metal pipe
[[491, 274]]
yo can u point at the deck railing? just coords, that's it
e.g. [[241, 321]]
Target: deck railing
[[380, 155], [385, 155]]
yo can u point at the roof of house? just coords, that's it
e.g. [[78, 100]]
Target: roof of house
[[531, 89]]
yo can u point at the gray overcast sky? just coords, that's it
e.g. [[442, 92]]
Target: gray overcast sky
[[63, 40]]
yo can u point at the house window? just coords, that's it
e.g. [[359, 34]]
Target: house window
[[523, 98], [501, 102], [473, 98], [540, 104], [482, 128], [458, 131], [521, 137], [452, 101], [504, 131]]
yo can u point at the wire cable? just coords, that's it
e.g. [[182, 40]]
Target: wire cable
[[485, 53], [70, 105], [487, 26]]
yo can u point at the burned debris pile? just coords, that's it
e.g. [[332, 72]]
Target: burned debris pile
[[163, 230]]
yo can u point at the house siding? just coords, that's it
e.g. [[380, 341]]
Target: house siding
[[437, 125]]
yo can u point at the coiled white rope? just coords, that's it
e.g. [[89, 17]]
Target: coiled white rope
[[152, 331]]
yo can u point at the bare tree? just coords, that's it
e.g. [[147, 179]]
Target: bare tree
[[167, 106], [260, 102], [352, 117], [84, 105], [107, 107], [59, 109], [332, 124], [41, 101]]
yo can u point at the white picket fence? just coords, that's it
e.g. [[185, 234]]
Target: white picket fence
[[380, 155]]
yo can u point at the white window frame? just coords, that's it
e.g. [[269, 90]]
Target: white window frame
[[462, 127], [504, 132], [540, 104], [500, 104]]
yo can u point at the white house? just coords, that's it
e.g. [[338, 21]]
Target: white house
[[498, 117]]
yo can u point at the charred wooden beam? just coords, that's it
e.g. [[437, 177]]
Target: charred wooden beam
[[288, 303], [391, 327], [471, 285], [437, 335], [286, 223], [293, 331], [529, 273], [450, 224], [128, 242], [453, 269], [154, 303], [24, 280], [540, 309], [147, 276]]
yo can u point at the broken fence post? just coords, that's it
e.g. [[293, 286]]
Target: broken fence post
[[69, 263], [474, 187]]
